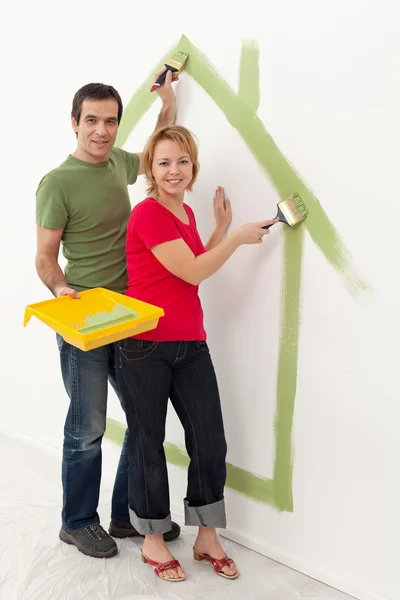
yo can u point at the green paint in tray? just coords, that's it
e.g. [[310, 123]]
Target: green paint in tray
[[101, 320]]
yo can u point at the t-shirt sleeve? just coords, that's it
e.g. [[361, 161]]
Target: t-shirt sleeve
[[132, 162], [154, 225], [51, 204]]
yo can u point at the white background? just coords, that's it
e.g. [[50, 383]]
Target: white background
[[330, 97]]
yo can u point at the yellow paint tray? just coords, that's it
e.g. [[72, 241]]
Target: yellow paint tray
[[97, 318]]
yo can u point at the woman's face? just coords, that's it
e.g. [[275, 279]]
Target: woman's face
[[172, 168]]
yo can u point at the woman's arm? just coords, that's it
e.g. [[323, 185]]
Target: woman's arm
[[177, 257], [216, 237]]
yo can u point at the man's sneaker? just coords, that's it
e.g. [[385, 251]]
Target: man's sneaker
[[92, 540], [124, 530]]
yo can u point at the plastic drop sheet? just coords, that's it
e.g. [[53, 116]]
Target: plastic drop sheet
[[36, 565]]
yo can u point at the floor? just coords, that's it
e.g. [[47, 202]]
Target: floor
[[35, 565]]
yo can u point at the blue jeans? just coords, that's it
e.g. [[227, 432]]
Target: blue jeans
[[86, 376], [148, 374]]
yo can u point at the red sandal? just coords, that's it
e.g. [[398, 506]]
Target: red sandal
[[218, 563], [161, 567]]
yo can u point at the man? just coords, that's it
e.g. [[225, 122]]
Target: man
[[84, 204]]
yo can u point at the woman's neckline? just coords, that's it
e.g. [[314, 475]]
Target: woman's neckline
[[169, 210]]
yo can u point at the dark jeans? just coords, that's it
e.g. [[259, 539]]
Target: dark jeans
[[86, 376], [149, 373]]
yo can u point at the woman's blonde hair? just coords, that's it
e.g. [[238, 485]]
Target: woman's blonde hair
[[174, 133]]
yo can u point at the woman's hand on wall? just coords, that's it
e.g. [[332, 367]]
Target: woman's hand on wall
[[222, 209]]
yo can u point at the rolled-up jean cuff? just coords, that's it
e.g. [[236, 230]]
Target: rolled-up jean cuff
[[150, 526], [210, 515]]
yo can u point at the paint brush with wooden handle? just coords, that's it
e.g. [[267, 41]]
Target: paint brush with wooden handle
[[291, 211]]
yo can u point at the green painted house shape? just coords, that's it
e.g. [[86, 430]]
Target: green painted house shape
[[240, 110]]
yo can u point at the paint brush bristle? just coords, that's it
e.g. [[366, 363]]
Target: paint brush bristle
[[293, 210], [177, 60]]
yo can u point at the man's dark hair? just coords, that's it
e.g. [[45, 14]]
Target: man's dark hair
[[95, 91]]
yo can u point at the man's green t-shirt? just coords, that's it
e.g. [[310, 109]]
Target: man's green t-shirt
[[91, 203]]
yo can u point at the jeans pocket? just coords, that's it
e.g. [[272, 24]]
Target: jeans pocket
[[133, 349], [202, 345]]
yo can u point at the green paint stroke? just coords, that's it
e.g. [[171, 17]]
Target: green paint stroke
[[248, 484], [240, 110], [273, 162], [249, 75], [287, 366]]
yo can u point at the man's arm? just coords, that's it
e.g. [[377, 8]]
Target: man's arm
[[47, 267], [167, 115]]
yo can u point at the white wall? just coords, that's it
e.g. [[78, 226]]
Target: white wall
[[330, 93]]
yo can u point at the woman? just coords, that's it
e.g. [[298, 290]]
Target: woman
[[166, 262]]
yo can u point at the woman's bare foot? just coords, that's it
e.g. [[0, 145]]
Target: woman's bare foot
[[156, 549], [207, 542]]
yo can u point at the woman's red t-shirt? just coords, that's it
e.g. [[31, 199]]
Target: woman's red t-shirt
[[151, 224]]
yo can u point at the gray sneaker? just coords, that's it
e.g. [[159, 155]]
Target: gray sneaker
[[124, 530], [92, 540]]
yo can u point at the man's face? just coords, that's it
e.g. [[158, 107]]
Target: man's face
[[97, 130]]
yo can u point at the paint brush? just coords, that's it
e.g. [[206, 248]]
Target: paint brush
[[291, 211], [174, 64]]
